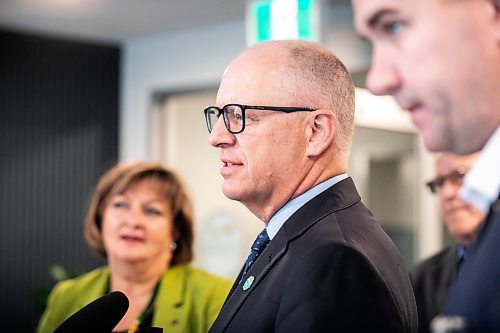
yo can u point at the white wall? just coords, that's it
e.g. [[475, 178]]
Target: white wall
[[194, 58], [338, 35], [173, 62]]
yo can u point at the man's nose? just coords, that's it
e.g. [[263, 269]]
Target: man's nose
[[449, 190], [220, 135], [383, 77]]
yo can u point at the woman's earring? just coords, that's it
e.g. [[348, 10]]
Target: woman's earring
[[173, 246]]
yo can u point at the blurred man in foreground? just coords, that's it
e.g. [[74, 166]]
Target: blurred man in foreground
[[440, 59]]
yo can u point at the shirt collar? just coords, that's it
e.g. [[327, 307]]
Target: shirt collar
[[293, 205], [482, 182]]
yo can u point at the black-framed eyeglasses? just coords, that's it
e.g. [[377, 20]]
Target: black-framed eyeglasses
[[456, 178], [234, 115]]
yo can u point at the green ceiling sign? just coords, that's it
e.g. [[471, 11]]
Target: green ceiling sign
[[282, 19]]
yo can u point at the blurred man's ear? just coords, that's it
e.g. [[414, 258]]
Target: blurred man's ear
[[323, 126]]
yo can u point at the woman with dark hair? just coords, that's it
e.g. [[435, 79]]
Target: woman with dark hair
[[140, 220]]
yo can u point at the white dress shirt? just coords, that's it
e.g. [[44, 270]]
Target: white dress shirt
[[293, 205], [482, 182]]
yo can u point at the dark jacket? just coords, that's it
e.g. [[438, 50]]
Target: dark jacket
[[476, 293], [431, 280], [330, 268]]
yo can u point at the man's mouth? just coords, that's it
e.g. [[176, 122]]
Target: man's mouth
[[228, 163], [411, 107], [455, 209], [229, 168]]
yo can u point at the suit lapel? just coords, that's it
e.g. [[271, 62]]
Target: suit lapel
[[447, 276], [234, 286], [337, 197], [495, 206], [95, 290], [169, 313], [273, 252]]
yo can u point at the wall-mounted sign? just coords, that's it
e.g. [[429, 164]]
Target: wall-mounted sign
[[282, 19]]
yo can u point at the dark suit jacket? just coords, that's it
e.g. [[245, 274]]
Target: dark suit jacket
[[330, 268], [431, 280], [476, 293]]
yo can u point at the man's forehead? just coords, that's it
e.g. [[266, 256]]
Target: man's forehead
[[247, 61], [447, 162], [243, 82], [256, 65]]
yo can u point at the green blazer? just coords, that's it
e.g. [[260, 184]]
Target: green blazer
[[189, 299]]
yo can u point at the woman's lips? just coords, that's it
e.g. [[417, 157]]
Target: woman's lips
[[132, 239]]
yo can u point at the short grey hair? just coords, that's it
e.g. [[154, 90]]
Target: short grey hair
[[318, 79]]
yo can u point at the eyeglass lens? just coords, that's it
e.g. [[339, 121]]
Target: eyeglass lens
[[455, 178], [233, 118], [211, 116]]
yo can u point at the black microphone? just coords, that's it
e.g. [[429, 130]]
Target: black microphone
[[100, 316]]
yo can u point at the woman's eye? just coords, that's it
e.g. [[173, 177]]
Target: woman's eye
[[153, 212], [119, 204]]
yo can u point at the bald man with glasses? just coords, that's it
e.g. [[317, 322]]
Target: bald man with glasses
[[283, 124]]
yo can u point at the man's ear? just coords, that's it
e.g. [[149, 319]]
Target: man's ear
[[322, 132]]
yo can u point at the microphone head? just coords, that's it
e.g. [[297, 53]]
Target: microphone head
[[101, 315]]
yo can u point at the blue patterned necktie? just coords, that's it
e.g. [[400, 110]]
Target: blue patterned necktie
[[257, 247], [461, 257]]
